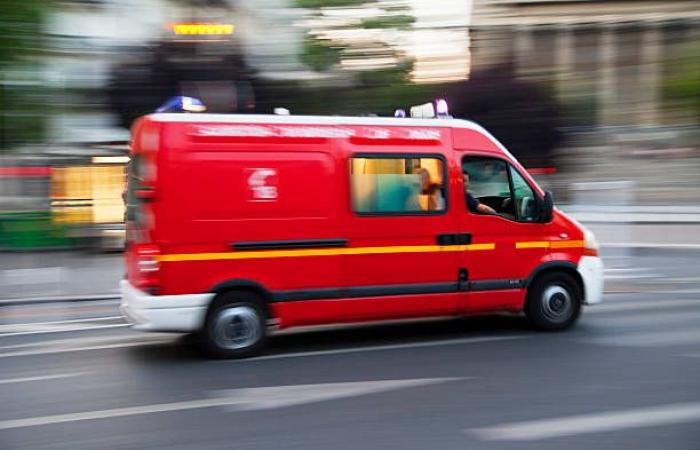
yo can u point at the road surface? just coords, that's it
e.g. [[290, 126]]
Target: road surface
[[73, 376]]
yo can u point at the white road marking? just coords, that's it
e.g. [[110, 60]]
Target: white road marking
[[10, 327], [640, 305], [591, 423], [238, 400], [83, 349], [91, 340], [45, 329], [375, 348], [43, 377], [64, 300]]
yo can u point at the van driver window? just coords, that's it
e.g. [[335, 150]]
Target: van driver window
[[492, 186], [397, 185]]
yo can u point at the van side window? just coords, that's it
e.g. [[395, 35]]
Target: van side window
[[488, 184], [401, 185]]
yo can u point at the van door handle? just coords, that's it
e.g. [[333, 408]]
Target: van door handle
[[447, 239], [464, 238], [454, 239]]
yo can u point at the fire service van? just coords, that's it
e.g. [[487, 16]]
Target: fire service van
[[241, 224]]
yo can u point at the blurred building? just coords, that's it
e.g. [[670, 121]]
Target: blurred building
[[608, 60]]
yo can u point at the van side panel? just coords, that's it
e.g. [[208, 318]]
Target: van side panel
[[317, 312], [242, 209]]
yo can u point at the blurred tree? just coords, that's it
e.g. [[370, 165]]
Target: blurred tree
[[522, 115], [683, 87], [21, 25], [21, 39], [320, 54], [375, 59]]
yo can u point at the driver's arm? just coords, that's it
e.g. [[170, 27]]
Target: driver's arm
[[485, 209]]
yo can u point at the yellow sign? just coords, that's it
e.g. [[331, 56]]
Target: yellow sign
[[199, 29]]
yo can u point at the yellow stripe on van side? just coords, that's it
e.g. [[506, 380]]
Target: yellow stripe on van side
[[532, 244], [323, 252], [567, 244], [478, 247], [549, 244]]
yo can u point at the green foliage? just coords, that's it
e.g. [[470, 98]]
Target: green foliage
[[22, 113], [21, 25], [683, 87], [328, 3], [382, 100], [22, 100], [320, 55], [400, 21], [387, 77]]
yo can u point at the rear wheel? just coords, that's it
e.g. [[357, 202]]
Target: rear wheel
[[235, 326], [553, 301]]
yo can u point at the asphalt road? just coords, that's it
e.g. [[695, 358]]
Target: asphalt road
[[627, 376]]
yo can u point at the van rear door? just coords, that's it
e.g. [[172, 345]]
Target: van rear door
[[253, 208]]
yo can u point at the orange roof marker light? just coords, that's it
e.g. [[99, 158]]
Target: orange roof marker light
[[200, 29]]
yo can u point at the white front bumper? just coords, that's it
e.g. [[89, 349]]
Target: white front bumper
[[182, 313], [591, 270]]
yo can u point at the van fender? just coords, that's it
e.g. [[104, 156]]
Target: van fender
[[564, 266], [244, 285]]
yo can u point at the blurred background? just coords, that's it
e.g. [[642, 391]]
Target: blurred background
[[599, 99]]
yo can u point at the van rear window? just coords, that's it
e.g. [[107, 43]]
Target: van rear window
[[133, 183], [388, 185]]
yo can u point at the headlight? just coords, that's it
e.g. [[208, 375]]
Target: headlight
[[590, 244]]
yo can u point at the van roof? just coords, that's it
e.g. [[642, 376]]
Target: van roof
[[325, 120], [317, 120]]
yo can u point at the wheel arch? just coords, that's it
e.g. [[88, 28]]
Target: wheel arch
[[557, 266], [234, 285]]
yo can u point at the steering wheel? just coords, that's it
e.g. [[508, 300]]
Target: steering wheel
[[506, 204]]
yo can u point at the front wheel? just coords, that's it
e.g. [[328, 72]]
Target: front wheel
[[235, 326], [553, 301]]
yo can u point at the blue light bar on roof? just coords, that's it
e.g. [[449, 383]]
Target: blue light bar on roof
[[182, 104]]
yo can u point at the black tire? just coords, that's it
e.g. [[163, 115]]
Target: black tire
[[553, 301], [235, 326]]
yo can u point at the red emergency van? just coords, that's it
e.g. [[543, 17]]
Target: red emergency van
[[240, 224]]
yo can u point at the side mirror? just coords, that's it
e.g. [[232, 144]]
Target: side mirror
[[547, 208]]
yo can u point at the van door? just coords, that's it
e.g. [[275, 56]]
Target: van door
[[499, 212], [403, 260]]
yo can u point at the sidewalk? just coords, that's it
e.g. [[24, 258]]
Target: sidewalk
[[41, 275], [80, 276]]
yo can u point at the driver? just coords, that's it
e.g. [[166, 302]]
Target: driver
[[474, 205]]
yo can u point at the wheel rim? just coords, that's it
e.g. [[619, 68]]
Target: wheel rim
[[237, 327], [557, 305]]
